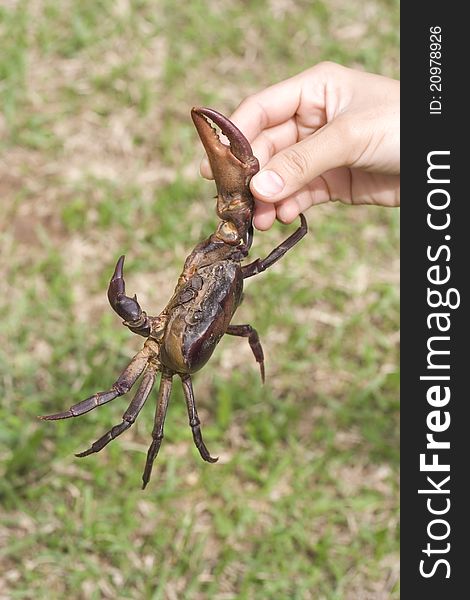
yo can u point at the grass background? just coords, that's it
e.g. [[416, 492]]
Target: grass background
[[99, 157]]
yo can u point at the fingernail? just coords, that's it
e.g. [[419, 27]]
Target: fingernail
[[268, 183]]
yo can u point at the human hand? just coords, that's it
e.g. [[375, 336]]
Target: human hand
[[328, 133]]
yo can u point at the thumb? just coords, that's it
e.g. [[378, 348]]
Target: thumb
[[294, 167]]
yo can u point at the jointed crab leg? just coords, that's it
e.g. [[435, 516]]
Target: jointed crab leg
[[194, 421], [122, 385], [157, 433], [129, 416], [253, 339], [260, 265]]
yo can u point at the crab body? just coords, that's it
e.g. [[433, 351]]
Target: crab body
[[195, 328]]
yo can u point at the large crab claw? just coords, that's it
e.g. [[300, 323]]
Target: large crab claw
[[232, 166]]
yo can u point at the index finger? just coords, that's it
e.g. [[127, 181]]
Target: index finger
[[269, 107]]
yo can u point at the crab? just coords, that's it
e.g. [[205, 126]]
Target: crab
[[181, 339]]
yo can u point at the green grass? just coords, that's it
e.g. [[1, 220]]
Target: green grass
[[99, 158]]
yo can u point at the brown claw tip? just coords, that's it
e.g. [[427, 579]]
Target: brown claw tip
[[82, 454], [55, 417], [119, 268], [145, 479], [239, 145], [207, 457]]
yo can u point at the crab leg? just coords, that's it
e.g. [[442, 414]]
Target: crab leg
[[157, 433], [122, 385], [129, 416], [194, 421], [260, 265], [253, 340]]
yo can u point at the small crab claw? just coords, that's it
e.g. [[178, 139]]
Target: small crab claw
[[127, 308], [232, 166]]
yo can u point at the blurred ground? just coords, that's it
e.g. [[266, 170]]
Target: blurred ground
[[99, 157]]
